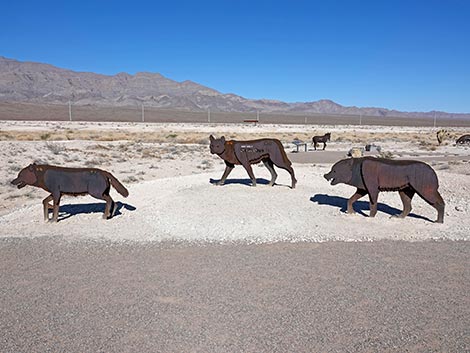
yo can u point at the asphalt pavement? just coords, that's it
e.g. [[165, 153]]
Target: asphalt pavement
[[60, 296]]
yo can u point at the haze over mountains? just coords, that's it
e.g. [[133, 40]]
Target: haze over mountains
[[43, 83]]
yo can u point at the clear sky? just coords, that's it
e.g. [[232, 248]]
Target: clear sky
[[405, 55]]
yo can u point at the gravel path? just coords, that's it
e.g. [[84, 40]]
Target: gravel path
[[306, 297], [190, 208]]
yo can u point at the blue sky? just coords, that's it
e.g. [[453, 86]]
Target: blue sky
[[405, 55]]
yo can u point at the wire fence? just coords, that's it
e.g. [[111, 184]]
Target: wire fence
[[67, 112]]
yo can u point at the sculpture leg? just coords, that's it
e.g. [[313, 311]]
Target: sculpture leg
[[406, 195], [249, 170], [46, 207], [373, 198], [439, 205], [270, 165], [359, 193], [108, 210], [435, 200], [279, 162], [56, 205], [227, 171]]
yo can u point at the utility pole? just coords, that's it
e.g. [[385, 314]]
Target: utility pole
[[70, 111], [360, 119], [143, 113], [257, 115], [208, 115], [434, 119], [305, 120]]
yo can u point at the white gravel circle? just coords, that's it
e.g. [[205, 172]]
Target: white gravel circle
[[190, 208]]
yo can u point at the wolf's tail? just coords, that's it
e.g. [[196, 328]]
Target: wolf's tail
[[117, 184]]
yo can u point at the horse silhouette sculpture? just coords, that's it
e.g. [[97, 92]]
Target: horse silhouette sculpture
[[317, 139], [245, 153], [60, 181], [371, 175]]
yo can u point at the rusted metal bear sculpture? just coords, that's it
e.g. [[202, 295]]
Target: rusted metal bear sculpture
[[371, 175], [245, 153], [70, 181]]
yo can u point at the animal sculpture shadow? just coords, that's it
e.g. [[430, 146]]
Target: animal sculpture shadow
[[245, 153], [359, 206], [67, 211], [60, 181], [246, 182], [321, 139], [371, 175]]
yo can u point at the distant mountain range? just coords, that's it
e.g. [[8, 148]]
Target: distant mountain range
[[43, 83]]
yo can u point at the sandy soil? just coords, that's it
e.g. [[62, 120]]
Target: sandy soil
[[172, 197]]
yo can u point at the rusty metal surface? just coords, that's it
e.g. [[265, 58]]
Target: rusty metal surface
[[245, 153], [60, 181], [371, 175]]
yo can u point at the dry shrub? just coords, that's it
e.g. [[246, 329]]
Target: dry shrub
[[95, 163], [98, 147], [386, 155], [149, 153], [55, 148], [130, 179]]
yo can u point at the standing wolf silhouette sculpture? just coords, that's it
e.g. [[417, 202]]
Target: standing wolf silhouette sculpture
[[70, 181], [245, 153], [371, 175]]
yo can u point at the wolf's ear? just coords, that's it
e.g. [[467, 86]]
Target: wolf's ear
[[211, 138], [222, 139]]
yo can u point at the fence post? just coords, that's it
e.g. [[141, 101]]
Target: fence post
[[434, 119], [143, 113], [208, 115], [360, 119], [70, 111]]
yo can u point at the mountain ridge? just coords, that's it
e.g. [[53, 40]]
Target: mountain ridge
[[33, 82]]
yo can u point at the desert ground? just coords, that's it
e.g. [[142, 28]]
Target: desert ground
[[168, 169], [230, 268]]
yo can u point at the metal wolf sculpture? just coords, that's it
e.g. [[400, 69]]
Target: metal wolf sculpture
[[371, 175], [70, 181], [245, 153], [318, 139]]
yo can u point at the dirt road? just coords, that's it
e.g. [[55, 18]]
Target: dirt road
[[90, 296]]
